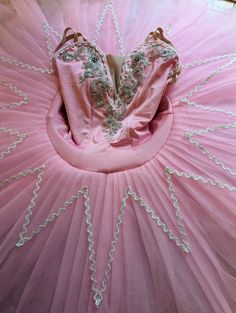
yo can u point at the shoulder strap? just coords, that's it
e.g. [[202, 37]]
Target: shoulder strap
[[158, 33], [75, 35]]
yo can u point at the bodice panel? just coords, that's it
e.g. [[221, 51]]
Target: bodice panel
[[114, 104]]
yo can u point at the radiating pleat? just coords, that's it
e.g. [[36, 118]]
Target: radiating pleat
[[150, 274]]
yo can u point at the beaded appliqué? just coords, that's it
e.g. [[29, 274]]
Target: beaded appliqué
[[100, 87], [134, 68], [132, 76]]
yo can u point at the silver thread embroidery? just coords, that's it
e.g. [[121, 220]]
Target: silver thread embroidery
[[98, 293], [11, 60], [20, 138], [17, 91], [189, 134], [132, 77]]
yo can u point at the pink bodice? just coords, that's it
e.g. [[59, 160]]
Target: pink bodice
[[114, 104]]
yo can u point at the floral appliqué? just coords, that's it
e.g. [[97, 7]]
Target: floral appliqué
[[132, 76]]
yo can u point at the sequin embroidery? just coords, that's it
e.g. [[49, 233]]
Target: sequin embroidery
[[101, 90]]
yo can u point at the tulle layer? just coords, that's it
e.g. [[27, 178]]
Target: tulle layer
[[193, 173]]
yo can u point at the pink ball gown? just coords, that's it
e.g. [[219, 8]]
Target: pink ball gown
[[117, 156]]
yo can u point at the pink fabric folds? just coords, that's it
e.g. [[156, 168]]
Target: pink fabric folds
[[157, 199]]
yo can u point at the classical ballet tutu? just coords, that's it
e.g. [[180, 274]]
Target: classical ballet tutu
[[107, 212]]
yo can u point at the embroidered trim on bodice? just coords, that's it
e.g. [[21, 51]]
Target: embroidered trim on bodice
[[101, 87]]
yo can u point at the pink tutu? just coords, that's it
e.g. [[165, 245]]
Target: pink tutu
[[117, 157]]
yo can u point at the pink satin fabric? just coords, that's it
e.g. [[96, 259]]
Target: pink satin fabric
[[100, 156], [150, 274], [85, 120]]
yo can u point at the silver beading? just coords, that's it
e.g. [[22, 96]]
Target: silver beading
[[180, 241], [204, 180], [109, 6], [20, 138], [197, 88], [16, 91], [11, 60], [189, 134], [100, 23], [39, 171], [98, 294], [168, 29], [117, 28], [209, 60]]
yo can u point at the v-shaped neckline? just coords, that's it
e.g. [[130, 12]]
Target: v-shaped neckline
[[115, 64], [155, 40], [127, 57], [116, 90], [101, 87]]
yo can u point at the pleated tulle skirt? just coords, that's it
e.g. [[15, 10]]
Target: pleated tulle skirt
[[157, 238]]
